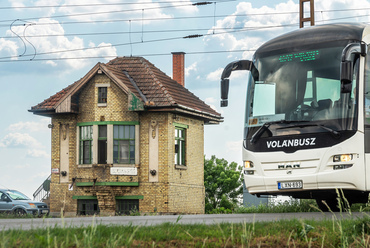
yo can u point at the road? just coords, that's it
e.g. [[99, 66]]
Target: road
[[27, 224]]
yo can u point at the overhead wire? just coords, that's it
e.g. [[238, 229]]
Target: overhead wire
[[163, 18], [98, 4], [138, 55], [116, 11], [159, 40], [165, 39]]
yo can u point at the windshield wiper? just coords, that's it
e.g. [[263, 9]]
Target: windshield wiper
[[265, 127], [335, 134], [259, 132]]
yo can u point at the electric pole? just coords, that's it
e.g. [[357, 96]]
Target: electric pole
[[303, 19]]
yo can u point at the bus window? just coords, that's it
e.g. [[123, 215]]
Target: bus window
[[264, 99], [327, 89]]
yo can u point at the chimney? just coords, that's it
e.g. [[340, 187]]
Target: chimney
[[178, 67]]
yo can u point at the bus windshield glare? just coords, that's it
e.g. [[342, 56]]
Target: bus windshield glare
[[299, 93]]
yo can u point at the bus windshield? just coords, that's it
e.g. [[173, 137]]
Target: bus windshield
[[299, 93]]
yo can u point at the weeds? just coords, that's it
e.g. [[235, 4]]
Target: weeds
[[286, 233]]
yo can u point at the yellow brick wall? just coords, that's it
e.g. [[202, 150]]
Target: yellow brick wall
[[177, 190]]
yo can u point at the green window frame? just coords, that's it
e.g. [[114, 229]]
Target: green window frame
[[87, 207], [127, 206], [102, 94], [86, 142], [124, 144], [180, 146]]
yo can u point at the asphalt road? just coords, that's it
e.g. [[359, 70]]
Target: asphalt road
[[26, 224]]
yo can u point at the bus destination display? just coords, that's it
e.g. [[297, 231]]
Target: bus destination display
[[301, 56]]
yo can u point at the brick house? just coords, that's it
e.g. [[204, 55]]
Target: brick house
[[126, 136]]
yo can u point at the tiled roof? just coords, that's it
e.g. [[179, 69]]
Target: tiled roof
[[153, 87], [49, 103]]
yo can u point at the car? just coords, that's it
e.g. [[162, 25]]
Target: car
[[13, 201]]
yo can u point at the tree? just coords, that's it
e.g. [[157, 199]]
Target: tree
[[223, 184]]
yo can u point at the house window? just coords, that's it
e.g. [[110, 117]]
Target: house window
[[86, 137], [102, 145], [87, 207], [102, 94], [180, 145], [127, 207], [124, 144]]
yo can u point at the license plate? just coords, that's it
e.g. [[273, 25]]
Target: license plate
[[290, 185], [44, 211]]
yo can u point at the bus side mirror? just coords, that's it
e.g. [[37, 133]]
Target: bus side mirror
[[346, 75], [224, 92]]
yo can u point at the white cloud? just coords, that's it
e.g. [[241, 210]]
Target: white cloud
[[211, 102], [215, 75], [58, 46], [110, 11], [35, 153], [17, 3], [30, 126], [8, 47], [357, 12], [189, 69], [19, 140]]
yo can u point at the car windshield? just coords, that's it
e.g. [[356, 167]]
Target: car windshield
[[300, 92], [16, 195]]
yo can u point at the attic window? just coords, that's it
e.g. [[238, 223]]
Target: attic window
[[102, 95]]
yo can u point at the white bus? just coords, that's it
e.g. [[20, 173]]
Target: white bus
[[307, 116]]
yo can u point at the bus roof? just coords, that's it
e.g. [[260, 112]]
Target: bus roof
[[311, 36]]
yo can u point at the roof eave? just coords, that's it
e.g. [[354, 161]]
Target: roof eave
[[208, 117], [43, 112]]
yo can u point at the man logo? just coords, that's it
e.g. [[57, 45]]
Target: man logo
[[289, 166]]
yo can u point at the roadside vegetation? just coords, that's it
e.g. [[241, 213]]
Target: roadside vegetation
[[285, 233]]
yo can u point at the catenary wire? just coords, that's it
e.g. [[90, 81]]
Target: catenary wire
[[97, 4], [157, 40]]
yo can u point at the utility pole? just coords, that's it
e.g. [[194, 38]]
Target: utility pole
[[303, 19]]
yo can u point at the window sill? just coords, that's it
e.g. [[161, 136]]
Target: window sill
[[124, 165], [109, 165], [84, 166], [102, 104], [181, 167]]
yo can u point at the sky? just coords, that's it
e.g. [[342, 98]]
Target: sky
[[46, 45]]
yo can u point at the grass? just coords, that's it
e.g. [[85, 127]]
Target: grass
[[286, 233], [283, 233]]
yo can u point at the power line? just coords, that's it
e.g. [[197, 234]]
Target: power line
[[110, 12], [167, 39], [169, 6], [155, 19], [159, 31], [124, 32], [98, 4], [146, 19], [115, 56], [143, 42]]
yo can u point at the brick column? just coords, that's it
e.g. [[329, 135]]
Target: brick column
[[178, 67]]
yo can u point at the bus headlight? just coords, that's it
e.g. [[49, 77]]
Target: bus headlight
[[342, 158], [248, 164]]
